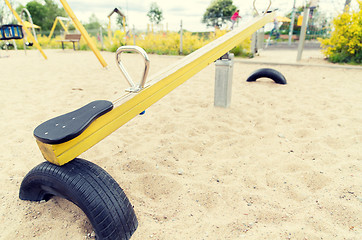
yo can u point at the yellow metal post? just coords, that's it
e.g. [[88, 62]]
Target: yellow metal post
[[160, 85], [53, 28], [83, 32], [124, 24], [30, 36], [109, 30], [65, 28]]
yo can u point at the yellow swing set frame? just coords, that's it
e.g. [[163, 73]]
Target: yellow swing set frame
[[77, 24]]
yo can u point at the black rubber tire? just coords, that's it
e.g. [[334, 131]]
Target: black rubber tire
[[89, 187], [267, 73]]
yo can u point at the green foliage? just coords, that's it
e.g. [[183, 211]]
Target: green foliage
[[52, 11], [345, 44], [218, 13], [43, 15], [155, 14], [159, 43], [120, 22], [93, 23], [37, 11]]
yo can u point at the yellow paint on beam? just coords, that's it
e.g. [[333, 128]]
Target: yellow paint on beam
[[161, 85], [29, 35], [64, 27], [84, 32], [53, 28]]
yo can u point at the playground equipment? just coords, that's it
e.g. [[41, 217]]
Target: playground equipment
[[303, 32], [273, 74], [257, 39], [77, 24], [115, 10], [11, 31], [89, 187], [84, 32], [28, 25], [62, 153], [224, 67], [28, 33], [266, 10], [62, 139], [64, 26], [133, 86]]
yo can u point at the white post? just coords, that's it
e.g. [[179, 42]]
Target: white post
[[134, 35], [291, 26], [15, 47], [303, 32], [260, 39], [223, 81], [101, 37], [253, 43], [181, 32]]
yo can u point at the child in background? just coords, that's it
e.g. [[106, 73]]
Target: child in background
[[234, 18]]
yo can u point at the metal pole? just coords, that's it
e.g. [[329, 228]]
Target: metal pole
[[83, 32], [346, 5], [181, 31], [30, 20], [101, 37], [36, 44], [291, 26], [134, 35], [223, 81], [303, 32], [254, 47]]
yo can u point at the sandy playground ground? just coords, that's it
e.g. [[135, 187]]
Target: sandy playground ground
[[283, 162]]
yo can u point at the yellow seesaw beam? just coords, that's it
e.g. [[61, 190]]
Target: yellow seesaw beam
[[160, 85]]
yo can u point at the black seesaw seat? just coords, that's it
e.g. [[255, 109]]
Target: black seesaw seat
[[70, 125]]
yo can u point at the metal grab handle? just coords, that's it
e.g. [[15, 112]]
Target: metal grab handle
[[270, 2], [134, 87]]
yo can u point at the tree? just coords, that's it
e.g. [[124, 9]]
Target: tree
[[93, 23], [155, 14], [218, 13], [43, 15], [37, 11], [52, 11]]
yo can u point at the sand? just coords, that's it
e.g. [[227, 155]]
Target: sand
[[283, 162]]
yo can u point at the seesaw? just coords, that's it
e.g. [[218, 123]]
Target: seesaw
[[62, 139]]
